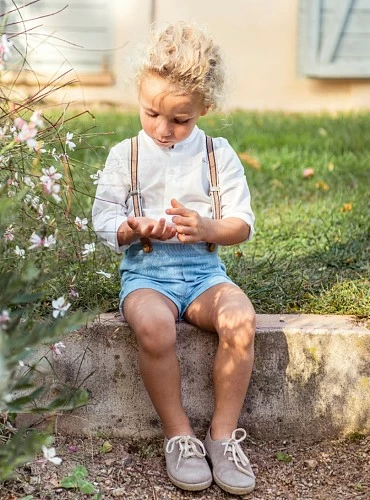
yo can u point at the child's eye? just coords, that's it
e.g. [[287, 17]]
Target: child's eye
[[151, 115], [182, 122]]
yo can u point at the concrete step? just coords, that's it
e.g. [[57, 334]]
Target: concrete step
[[311, 378]]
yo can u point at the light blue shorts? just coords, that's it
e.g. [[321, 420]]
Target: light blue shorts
[[179, 271]]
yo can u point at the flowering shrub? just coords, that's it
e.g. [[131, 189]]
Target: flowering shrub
[[47, 249]]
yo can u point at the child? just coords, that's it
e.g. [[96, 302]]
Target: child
[[157, 204]]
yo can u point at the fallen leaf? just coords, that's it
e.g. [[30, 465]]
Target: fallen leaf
[[106, 447], [322, 185], [347, 207], [54, 482], [311, 463], [308, 172], [250, 160]]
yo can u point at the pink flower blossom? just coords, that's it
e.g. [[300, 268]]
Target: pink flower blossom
[[73, 293], [27, 132], [58, 346], [38, 241], [8, 234], [50, 175]]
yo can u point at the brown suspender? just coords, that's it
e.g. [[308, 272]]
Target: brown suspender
[[214, 187], [136, 192]]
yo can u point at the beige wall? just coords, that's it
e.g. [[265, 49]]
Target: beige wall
[[259, 40]]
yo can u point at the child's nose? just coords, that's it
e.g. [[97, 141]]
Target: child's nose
[[164, 128]]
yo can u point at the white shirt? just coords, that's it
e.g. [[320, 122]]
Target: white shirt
[[180, 172]]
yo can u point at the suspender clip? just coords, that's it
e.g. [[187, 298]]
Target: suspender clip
[[135, 192]]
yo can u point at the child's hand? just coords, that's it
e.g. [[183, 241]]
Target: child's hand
[[190, 226], [150, 228]]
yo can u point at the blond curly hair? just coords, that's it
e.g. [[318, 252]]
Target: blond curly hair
[[189, 59]]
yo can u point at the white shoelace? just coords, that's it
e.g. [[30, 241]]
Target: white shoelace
[[187, 447], [232, 445]]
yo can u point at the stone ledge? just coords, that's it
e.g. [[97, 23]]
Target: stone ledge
[[311, 378]]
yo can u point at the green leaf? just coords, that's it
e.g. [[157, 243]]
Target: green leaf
[[80, 472], [86, 487], [283, 457], [68, 482]]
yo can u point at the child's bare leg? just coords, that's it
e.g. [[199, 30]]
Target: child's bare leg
[[152, 317], [227, 310]]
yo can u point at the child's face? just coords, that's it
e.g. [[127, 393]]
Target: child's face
[[167, 117]]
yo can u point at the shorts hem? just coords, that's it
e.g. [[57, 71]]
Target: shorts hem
[[148, 287]]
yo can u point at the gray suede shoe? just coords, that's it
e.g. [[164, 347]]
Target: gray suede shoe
[[231, 468], [187, 467]]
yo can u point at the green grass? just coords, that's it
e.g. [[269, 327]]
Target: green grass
[[309, 253]]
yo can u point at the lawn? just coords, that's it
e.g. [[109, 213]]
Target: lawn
[[311, 248]]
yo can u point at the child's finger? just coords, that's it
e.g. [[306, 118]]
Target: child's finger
[[132, 222], [158, 228], [176, 204]]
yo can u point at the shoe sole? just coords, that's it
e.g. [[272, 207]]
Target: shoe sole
[[233, 489], [189, 486]]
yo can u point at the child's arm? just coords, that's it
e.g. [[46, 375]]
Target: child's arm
[[144, 227], [192, 228]]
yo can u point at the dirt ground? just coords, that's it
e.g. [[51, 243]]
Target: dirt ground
[[129, 469]]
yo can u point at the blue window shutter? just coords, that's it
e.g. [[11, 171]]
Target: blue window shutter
[[334, 38], [80, 36]]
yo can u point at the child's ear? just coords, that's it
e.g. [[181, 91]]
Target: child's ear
[[204, 111]]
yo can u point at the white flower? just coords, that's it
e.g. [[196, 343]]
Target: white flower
[[89, 248], [81, 224], [29, 182], [35, 118], [19, 252], [37, 241], [96, 176], [4, 317], [32, 200], [49, 241], [54, 155], [69, 142], [50, 455], [57, 347], [60, 307], [5, 48], [21, 363], [102, 273]]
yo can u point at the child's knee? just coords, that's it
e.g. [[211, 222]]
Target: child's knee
[[156, 336], [239, 329]]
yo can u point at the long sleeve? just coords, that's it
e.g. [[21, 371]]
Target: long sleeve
[[110, 205]]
